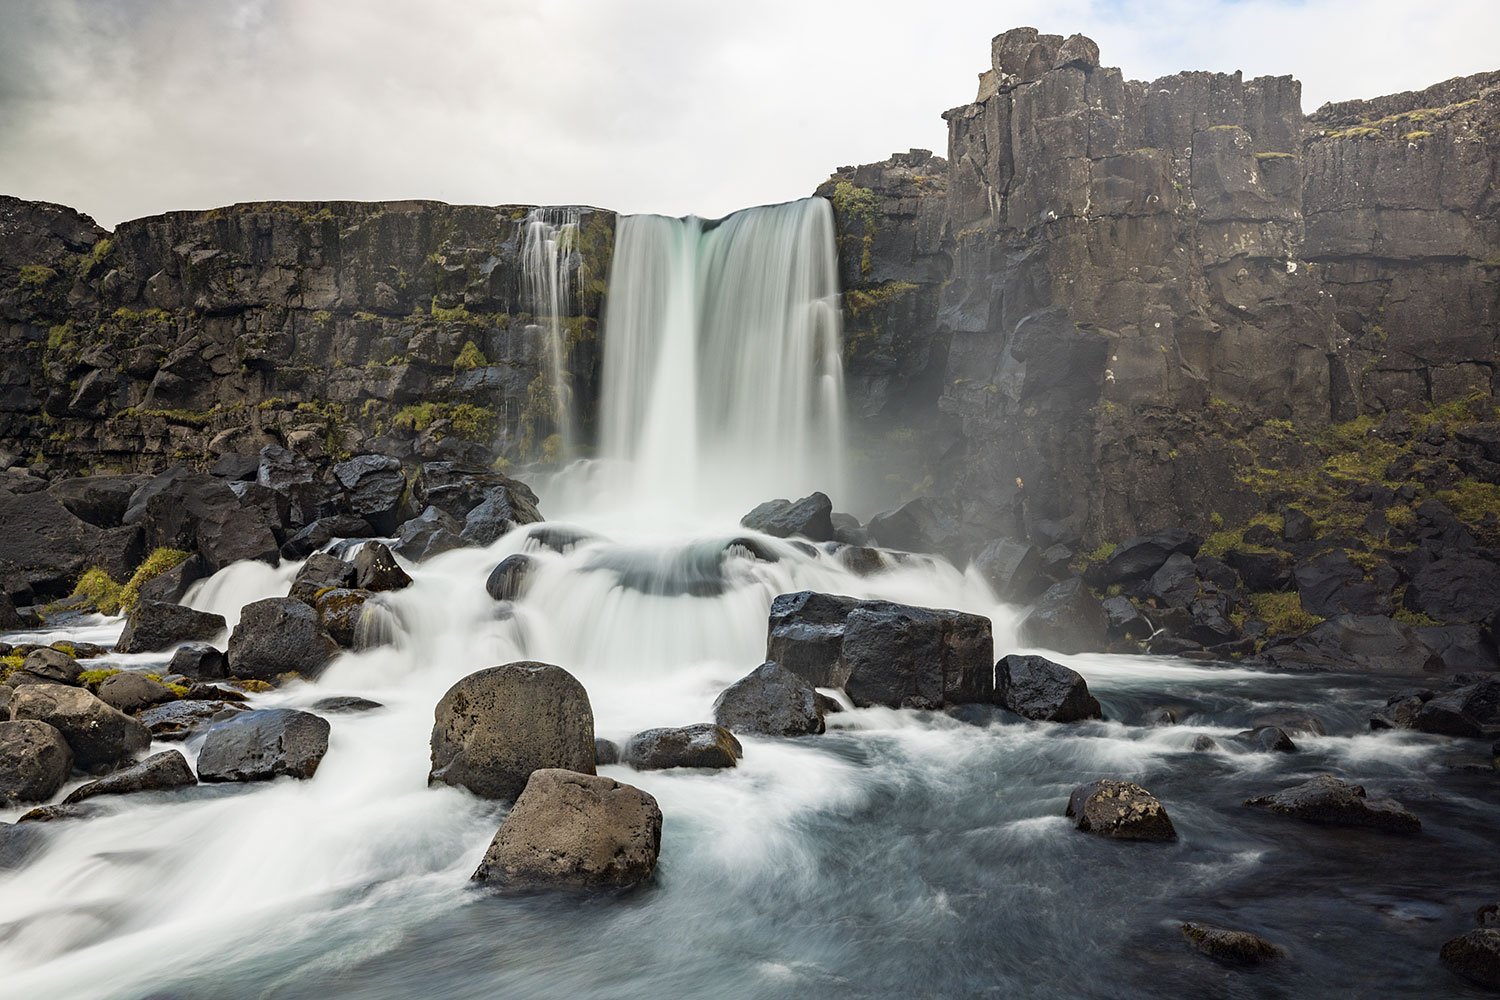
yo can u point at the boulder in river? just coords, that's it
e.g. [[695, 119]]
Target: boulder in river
[[199, 660], [322, 571], [507, 580], [264, 744], [131, 691], [701, 745], [806, 635], [159, 772], [1044, 691], [100, 736], [907, 657], [276, 636], [606, 752], [178, 720], [430, 533], [1328, 801], [1472, 710], [319, 533], [1122, 810], [1364, 643], [51, 666], [1067, 618], [1268, 739], [811, 518], [927, 524], [156, 626], [770, 700], [375, 569], [1231, 946], [1475, 956], [1012, 569], [35, 761], [498, 725], [341, 612], [571, 830]]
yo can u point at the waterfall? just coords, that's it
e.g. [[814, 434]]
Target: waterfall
[[548, 262], [723, 378]]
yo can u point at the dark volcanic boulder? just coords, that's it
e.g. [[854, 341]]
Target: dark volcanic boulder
[[1037, 688], [199, 660], [1328, 801], [1067, 618], [1234, 947], [97, 500], [1175, 583], [35, 761], [258, 746], [178, 720], [322, 571], [1455, 588], [373, 489], [157, 773], [131, 692], [430, 533], [346, 704], [98, 735], [155, 626], [498, 725], [1475, 956], [606, 752], [770, 700], [341, 612], [1013, 570], [507, 580], [701, 745], [171, 586], [503, 508], [1122, 810], [1137, 558], [44, 548], [1268, 739], [926, 524], [1461, 648], [811, 517], [574, 830], [905, 657], [1332, 585], [1261, 571], [1472, 710], [314, 536], [201, 512], [1291, 721], [51, 665], [276, 636], [1124, 620], [1369, 643], [375, 569], [806, 635]]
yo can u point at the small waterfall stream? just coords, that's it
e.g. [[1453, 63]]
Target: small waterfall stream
[[549, 261]]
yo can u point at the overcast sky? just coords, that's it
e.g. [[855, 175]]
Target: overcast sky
[[123, 108]]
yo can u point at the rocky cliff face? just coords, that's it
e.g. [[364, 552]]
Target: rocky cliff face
[[1131, 288], [186, 336]]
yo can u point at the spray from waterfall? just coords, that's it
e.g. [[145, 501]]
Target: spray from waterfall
[[549, 261], [723, 376]]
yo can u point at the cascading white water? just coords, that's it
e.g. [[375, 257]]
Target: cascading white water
[[548, 262], [723, 380]]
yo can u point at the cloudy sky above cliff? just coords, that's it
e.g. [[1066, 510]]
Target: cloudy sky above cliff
[[124, 108]]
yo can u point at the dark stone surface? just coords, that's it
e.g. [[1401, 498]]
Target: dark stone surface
[[276, 636], [1014, 570], [1475, 956], [1368, 643], [805, 634], [100, 736], [1121, 810], [157, 773], [199, 660], [1327, 801], [703, 745], [1139, 557], [179, 720], [905, 657], [321, 571], [1231, 946], [35, 761], [1472, 710], [263, 744], [1038, 689], [375, 569], [155, 626], [131, 692], [811, 517], [1455, 588], [507, 581], [771, 701], [1067, 618]]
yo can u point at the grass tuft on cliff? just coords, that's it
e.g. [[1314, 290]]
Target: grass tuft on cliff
[[113, 598]]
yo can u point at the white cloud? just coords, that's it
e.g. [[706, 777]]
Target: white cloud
[[129, 107]]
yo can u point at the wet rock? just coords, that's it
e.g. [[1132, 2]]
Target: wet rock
[[1365, 643], [1268, 739], [264, 744], [276, 636], [99, 735], [1455, 588], [1488, 915], [1123, 620], [158, 773], [97, 500], [1327, 801], [131, 692], [51, 665], [171, 586], [53, 814], [1460, 648], [155, 626], [430, 533], [1332, 585], [17, 844], [574, 830], [503, 508], [312, 537], [906, 657], [341, 612], [508, 580], [1292, 721], [606, 752], [1138, 558], [811, 517], [1038, 689], [1013, 570], [1472, 710], [345, 705], [926, 524], [200, 512], [702, 745], [860, 560], [1067, 618], [1234, 947], [199, 660], [1175, 583], [35, 761], [1204, 743], [373, 489], [322, 571], [770, 700], [1122, 810], [178, 720], [806, 636], [1475, 956], [375, 569], [559, 538], [495, 727]]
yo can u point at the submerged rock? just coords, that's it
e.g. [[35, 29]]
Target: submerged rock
[[508, 580], [1038, 689], [811, 517], [264, 744], [98, 734], [701, 745], [770, 700], [1067, 618], [1268, 739], [1122, 810], [1234, 947], [346, 704], [35, 761], [1328, 801], [1475, 956], [496, 726], [575, 831], [159, 772]]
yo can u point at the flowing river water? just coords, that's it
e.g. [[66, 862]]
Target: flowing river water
[[902, 854]]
